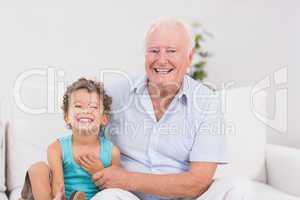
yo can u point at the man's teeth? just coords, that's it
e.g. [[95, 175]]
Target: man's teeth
[[162, 71]]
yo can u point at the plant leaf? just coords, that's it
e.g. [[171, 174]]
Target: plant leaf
[[200, 64]]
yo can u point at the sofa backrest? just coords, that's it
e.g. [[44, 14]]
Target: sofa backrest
[[246, 135], [29, 134]]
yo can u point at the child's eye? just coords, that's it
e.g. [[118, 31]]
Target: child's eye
[[93, 106], [77, 106]]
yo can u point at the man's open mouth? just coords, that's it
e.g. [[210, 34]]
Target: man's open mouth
[[163, 71], [85, 120]]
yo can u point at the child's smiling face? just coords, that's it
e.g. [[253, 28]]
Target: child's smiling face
[[85, 112]]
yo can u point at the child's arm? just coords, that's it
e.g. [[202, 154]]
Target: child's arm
[[54, 155]]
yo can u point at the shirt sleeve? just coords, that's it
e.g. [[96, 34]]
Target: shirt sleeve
[[209, 142]]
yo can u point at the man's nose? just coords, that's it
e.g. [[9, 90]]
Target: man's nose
[[162, 58]]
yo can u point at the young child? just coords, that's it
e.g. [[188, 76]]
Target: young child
[[74, 158]]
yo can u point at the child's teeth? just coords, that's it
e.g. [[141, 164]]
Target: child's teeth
[[84, 120]]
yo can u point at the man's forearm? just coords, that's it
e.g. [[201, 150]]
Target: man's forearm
[[171, 185]]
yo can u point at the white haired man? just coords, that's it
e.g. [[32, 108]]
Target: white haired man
[[169, 134]]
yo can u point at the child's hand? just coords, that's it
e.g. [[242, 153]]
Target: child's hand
[[90, 163]]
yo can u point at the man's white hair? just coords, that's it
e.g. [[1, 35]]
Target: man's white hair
[[172, 21]]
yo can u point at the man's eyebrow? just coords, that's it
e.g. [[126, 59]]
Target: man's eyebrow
[[152, 47], [166, 47]]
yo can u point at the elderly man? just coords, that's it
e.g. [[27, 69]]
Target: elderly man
[[166, 125]]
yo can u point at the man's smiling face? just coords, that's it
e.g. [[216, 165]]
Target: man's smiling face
[[168, 55]]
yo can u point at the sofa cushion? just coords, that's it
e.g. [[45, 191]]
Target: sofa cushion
[[3, 196], [239, 188], [245, 133], [15, 194]]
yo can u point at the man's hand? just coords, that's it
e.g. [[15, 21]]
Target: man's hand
[[112, 177], [90, 163], [189, 184]]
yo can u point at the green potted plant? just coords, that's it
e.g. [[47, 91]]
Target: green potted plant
[[197, 71]]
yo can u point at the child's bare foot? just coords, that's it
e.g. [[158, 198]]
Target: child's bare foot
[[77, 196]]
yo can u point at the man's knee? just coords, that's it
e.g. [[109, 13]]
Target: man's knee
[[114, 194], [39, 168]]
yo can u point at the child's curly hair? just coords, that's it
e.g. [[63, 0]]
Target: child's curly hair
[[90, 86]]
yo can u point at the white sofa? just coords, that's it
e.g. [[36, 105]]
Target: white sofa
[[256, 170], [2, 158]]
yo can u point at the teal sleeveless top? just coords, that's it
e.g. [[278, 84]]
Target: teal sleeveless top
[[75, 177]]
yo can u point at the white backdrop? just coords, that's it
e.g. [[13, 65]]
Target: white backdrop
[[252, 39]]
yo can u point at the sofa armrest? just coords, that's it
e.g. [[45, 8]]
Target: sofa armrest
[[233, 188], [2, 153], [283, 168]]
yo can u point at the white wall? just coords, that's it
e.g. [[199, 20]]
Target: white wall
[[252, 39]]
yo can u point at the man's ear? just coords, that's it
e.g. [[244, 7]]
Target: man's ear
[[104, 120], [191, 55]]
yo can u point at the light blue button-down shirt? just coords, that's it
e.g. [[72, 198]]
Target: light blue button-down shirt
[[190, 129]]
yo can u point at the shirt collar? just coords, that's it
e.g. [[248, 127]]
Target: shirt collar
[[139, 84], [184, 90]]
